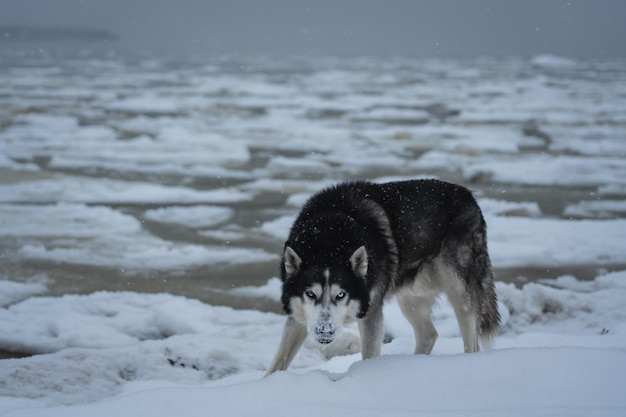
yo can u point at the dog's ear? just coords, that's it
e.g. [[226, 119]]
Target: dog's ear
[[291, 260], [358, 260]]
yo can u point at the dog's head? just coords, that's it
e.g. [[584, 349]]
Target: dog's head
[[325, 292]]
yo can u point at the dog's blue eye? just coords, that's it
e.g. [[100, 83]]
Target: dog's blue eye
[[340, 295], [311, 295]]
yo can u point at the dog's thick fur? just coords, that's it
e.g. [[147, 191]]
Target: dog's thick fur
[[357, 243]]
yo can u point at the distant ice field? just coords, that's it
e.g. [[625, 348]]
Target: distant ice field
[[123, 164], [144, 202]]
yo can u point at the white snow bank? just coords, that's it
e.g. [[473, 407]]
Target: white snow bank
[[564, 353], [109, 319], [592, 307], [106, 340], [516, 382]]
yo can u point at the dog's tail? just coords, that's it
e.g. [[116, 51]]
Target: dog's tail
[[489, 322]]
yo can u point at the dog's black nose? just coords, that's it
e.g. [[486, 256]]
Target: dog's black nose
[[325, 330]]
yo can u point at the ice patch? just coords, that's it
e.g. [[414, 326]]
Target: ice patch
[[92, 190], [279, 228], [532, 169], [13, 292], [101, 236], [272, 290], [596, 209], [553, 61], [509, 208], [523, 242], [194, 216]]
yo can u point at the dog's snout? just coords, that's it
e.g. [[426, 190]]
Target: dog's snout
[[326, 327], [325, 331]]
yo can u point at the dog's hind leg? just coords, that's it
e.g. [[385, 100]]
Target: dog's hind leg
[[294, 334], [467, 323], [418, 311], [466, 311]]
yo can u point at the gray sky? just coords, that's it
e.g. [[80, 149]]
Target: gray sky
[[575, 28]]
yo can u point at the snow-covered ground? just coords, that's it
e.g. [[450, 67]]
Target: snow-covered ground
[[141, 200], [562, 352]]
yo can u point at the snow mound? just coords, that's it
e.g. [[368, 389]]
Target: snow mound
[[561, 348], [515, 382]]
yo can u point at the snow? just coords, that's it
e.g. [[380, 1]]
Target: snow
[[270, 290], [446, 386], [553, 61], [153, 166], [548, 242], [195, 216], [539, 169], [596, 208], [13, 292], [89, 190], [562, 352], [96, 235]]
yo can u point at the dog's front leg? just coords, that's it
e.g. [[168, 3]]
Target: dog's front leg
[[371, 330], [294, 334]]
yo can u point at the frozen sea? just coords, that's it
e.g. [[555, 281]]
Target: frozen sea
[[144, 201]]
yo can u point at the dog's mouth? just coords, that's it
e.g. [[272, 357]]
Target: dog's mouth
[[324, 341]]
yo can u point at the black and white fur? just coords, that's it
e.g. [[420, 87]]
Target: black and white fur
[[355, 244]]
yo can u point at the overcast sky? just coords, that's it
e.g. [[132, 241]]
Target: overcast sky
[[575, 28]]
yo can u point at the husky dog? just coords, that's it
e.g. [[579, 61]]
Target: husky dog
[[358, 243]]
